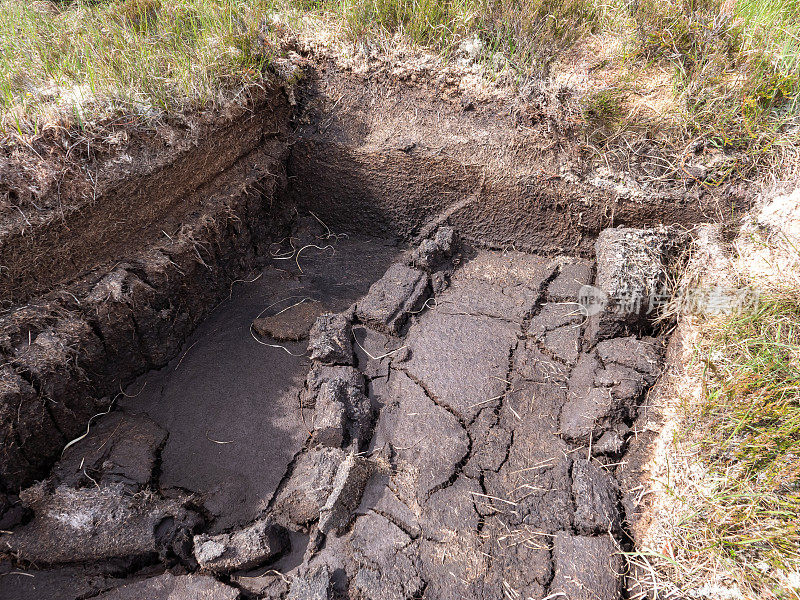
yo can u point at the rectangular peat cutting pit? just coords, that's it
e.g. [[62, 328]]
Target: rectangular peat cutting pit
[[340, 370]]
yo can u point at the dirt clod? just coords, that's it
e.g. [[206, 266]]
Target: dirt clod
[[610, 443], [98, 524], [174, 587], [586, 568], [312, 585], [390, 566], [434, 253], [290, 325], [330, 339], [596, 497], [572, 276], [299, 502], [123, 448], [348, 486], [631, 272], [245, 548], [342, 413], [390, 300]]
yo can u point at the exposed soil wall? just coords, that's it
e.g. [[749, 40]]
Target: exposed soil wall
[[396, 158], [139, 197], [178, 244]]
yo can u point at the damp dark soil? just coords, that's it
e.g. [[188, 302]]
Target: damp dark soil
[[231, 404], [453, 432], [330, 347]]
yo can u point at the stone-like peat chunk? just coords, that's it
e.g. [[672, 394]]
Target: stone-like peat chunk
[[314, 584], [432, 253], [610, 443], [320, 374], [387, 305], [290, 325], [602, 395], [99, 523], [461, 360], [342, 414], [330, 416], [330, 339], [586, 568], [299, 502], [245, 548], [386, 559], [588, 408], [407, 426], [586, 415], [572, 276], [121, 448], [348, 487], [563, 343], [645, 356], [173, 587], [552, 316], [631, 270], [595, 494]]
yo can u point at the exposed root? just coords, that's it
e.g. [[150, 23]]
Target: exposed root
[[303, 299], [382, 356], [235, 281], [100, 414], [217, 441], [328, 233], [184, 355], [297, 256], [88, 427], [284, 348]]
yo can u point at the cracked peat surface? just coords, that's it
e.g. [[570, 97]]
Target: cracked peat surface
[[454, 435], [481, 495]]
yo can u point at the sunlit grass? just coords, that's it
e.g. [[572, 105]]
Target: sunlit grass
[[735, 65], [773, 27], [527, 32], [749, 434], [80, 60]]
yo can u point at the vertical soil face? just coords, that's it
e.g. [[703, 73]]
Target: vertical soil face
[[114, 206], [249, 373], [146, 270], [396, 158]]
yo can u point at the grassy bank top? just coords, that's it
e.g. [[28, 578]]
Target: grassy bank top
[[733, 66], [65, 63]]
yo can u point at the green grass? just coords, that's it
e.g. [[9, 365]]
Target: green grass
[[66, 63], [772, 26], [736, 68], [749, 433], [85, 60], [427, 22], [735, 64], [527, 32]]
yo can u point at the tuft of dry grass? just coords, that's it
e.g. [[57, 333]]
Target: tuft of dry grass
[[735, 70], [749, 435]]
